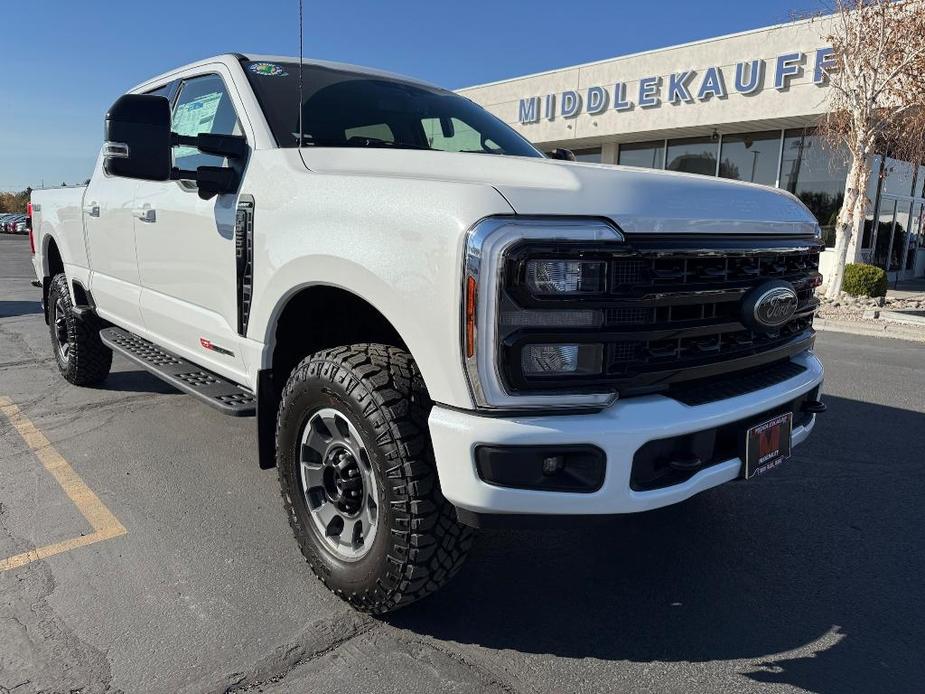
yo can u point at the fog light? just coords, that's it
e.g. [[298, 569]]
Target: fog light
[[555, 359], [574, 468], [550, 277], [553, 464]]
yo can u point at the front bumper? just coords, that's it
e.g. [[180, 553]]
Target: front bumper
[[619, 431]]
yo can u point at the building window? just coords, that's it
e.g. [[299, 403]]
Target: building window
[[750, 157], [647, 155], [816, 175], [589, 155], [873, 194], [693, 155]]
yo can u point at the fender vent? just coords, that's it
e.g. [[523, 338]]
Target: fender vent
[[244, 258]]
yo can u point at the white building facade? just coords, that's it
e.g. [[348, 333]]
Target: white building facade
[[742, 106]]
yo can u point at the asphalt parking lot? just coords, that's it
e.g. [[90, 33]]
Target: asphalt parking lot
[[172, 567]]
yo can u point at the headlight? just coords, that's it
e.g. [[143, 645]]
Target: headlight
[[497, 368], [561, 359], [550, 277]]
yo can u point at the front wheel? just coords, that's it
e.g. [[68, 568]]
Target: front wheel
[[358, 478]]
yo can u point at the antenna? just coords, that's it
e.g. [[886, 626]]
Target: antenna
[[301, 136]]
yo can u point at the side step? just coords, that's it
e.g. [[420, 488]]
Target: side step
[[209, 387]]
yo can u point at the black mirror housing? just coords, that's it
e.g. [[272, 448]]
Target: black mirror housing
[[138, 140]]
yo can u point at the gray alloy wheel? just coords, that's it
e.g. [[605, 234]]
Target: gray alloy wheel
[[339, 484], [59, 320]]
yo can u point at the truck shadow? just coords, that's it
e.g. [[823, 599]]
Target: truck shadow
[[137, 381], [810, 577], [9, 309]]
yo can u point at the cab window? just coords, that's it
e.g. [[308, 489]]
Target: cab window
[[203, 106], [452, 135]]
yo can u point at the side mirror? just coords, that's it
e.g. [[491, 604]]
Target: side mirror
[[138, 141], [562, 154]]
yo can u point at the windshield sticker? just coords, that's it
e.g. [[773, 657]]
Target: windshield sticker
[[267, 69]]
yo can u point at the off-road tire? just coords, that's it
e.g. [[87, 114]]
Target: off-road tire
[[419, 544], [88, 360]]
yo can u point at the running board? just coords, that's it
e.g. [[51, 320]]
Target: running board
[[209, 387]]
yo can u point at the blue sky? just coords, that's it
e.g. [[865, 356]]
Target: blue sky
[[65, 61]]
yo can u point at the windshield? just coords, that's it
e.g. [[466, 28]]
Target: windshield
[[350, 109]]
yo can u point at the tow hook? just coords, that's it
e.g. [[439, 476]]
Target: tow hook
[[813, 406], [685, 463]]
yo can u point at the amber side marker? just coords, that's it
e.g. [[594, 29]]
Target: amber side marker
[[105, 525], [471, 289]]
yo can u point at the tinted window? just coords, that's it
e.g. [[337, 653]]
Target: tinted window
[[590, 155], [693, 155], [166, 90], [648, 155], [203, 106], [453, 135], [338, 104], [750, 157], [816, 174]]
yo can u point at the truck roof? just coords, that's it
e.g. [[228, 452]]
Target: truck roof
[[230, 58]]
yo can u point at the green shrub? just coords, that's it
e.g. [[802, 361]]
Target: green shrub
[[863, 279]]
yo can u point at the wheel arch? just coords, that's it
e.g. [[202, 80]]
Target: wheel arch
[[52, 264], [300, 325], [312, 306]]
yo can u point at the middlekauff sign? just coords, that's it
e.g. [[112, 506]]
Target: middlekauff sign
[[686, 87]]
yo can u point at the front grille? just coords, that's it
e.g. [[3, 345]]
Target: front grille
[[672, 310]]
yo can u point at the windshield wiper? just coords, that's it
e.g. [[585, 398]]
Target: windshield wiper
[[378, 142], [366, 142]]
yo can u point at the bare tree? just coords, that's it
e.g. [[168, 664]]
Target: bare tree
[[876, 100]]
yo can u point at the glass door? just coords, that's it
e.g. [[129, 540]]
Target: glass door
[[883, 234], [916, 246], [900, 240], [896, 240]]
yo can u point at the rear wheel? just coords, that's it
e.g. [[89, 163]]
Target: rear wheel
[[81, 356], [359, 481]]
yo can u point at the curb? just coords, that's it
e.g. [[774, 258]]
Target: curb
[[877, 328]]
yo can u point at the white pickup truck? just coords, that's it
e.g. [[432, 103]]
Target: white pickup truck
[[436, 326]]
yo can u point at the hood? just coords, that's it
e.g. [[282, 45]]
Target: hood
[[637, 200]]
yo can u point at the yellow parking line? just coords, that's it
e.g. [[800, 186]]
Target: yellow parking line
[[105, 525]]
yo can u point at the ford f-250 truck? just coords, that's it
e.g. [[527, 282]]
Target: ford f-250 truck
[[436, 326]]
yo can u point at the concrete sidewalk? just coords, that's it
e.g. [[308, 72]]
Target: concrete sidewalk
[[908, 289], [871, 328]]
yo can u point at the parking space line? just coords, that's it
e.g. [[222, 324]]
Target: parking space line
[[105, 525]]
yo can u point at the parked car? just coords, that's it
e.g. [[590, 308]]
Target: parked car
[[436, 326], [14, 224], [4, 218]]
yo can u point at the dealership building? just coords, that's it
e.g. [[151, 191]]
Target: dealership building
[[741, 106]]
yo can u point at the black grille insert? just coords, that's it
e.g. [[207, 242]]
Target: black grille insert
[[671, 310]]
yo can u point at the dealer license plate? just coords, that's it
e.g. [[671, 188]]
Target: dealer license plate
[[767, 445]]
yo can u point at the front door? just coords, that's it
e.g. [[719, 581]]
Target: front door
[[186, 245]]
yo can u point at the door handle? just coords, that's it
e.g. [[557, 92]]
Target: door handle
[[92, 209], [145, 213]]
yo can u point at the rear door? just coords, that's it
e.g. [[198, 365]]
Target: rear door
[[109, 229], [186, 245]]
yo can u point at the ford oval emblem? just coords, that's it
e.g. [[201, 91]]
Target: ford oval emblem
[[775, 306]]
